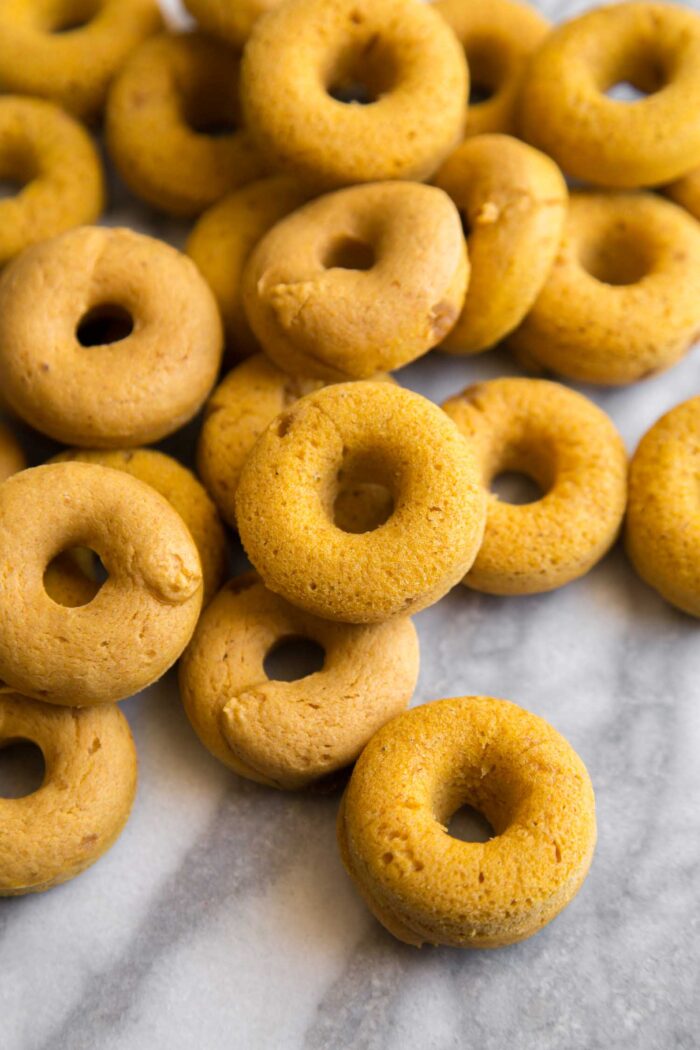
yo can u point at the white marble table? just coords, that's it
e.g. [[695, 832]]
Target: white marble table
[[223, 920]]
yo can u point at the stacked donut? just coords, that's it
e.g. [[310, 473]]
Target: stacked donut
[[354, 207]]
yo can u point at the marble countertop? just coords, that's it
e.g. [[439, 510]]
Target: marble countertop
[[222, 918]]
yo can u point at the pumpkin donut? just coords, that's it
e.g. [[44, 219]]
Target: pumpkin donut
[[374, 432], [337, 289], [223, 239], [565, 111], [513, 202], [69, 50], [425, 886], [304, 57], [623, 299], [144, 614], [686, 192], [229, 21], [290, 734], [663, 514], [498, 37], [12, 457], [162, 113], [108, 338], [57, 167], [572, 450], [81, 808]]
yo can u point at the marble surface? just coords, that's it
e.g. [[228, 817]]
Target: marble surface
[[222, 918]]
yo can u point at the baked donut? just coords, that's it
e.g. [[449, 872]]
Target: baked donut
[[290, 734], [83, 804], [224, 237], [572, 450], [565, 110], [663, 515], [338, 290], [305, 58], [622, 300], [144, 614], [108, 338], [69, 50], [686, 192], [374, 432], [56, 167], [164, 113], [512, 200], [12, 457], [416, 772], [498, 37], [229, 20]]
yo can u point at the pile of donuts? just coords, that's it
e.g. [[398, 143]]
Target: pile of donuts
[[352, 208]]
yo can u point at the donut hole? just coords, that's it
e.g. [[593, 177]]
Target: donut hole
[[11, 187], [293, 658], [76, 15], [104, 324], [636, 70], [209, 109], [469, 825], [363, 499], [75, 577], [363, 72], [348, 253], [523, 471], [22, 768], [515, 487], [488, 68], [617, 256]]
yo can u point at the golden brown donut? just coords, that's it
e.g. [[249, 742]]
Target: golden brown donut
[[338, 290], [686, 192], [12, 457], [374, 432], [512, 200], [306, 55], [573, 451], [57, 170], [163, 115], [108, 338], [83, 804], [144, 614], [290, 734], [425, 886], [223, 239], [498, 37], [229, 20], [623, 299], [565, 111], [663, 513], [69, 50]]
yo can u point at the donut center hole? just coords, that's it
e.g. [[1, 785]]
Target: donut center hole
[[74, 16], [104, 324], [210, 105], [362, 501], [22, 768], [74, 577], [291, 659], [362, 72], [11, 187], [469, 825], [523, 470], [488, 68], [348, 253], [616, 258], [514, 487]]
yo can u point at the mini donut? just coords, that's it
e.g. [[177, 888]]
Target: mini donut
[[371, 432], [144, 614], [686, 192], [108, 338], [663, 513], [224, 237], [513, 202], [290, 734], [422, 884], [12, 457], [69, 50], [56, 167], [498, 37], [163, 114], [306, 56], [229, 20], [338, 290], [565, 111], [622, 300], [81, 808], [572, 450]]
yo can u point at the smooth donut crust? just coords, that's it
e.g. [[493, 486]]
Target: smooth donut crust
[[573, 451], [514, 200], [81, 808], [223, 239], [122, 394], [594, 331], [144, 614], [170, 85], [290, 734], [565, 112], [401, 49], [230, 22], [12, 458], [498, 37], [59, 170], [317, 314], [385, 434], [425, 886], [73, 69], [686, 192], [662, 534]]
